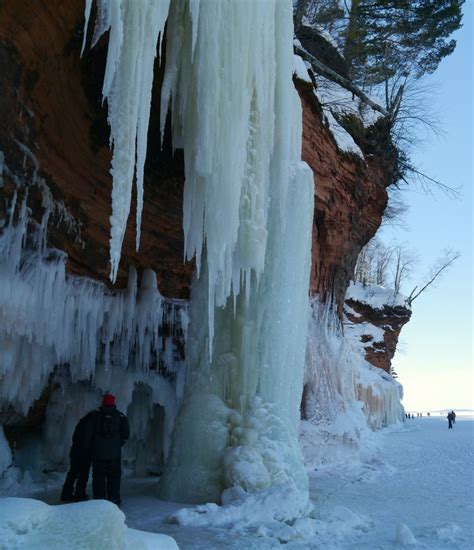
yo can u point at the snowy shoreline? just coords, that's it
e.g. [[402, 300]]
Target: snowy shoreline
[[418, 468]]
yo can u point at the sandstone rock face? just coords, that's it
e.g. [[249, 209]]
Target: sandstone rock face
[[390, 319], [54, 125], [51, 103], [350, 198], [55, 109]]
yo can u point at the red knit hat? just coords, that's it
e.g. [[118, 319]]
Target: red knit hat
[[108, 401]]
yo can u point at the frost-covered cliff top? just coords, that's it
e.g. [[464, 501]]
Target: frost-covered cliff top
[[375, 296]]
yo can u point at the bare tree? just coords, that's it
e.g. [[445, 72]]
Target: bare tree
[[446, 260], [383, 258], [404, 260], [373, 263]]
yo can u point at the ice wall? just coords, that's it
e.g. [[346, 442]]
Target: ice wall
[[344, 395], [76, 333]]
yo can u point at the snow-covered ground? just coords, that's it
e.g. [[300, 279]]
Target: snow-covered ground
[[420, 477], [415, 485]]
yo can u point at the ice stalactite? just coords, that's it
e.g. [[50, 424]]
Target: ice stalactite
[[135, 29], [248, 211], [344, 395], [223, 103], [75, 332]]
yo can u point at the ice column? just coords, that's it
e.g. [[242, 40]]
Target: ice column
[[135, 26], [248, 211]]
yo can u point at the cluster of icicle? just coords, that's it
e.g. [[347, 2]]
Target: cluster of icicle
[[49, 319], [344, 394], [221, 67], [247, 219], [135, 26]]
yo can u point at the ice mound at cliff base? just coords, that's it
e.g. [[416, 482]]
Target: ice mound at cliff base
[[244, 511], [29, 523]]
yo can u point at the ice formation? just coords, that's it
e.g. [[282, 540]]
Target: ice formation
[[74, 332], [49, 318], [248, 213], [5, 453], [28, 523], [135, 28], [344, 395], [248, 210]]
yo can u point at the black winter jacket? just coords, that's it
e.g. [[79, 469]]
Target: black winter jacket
[[107, 432], [80, 448]]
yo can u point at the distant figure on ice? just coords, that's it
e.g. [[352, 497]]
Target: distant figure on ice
[[74, 488], [450, 420], [107, 434], [454, 416]]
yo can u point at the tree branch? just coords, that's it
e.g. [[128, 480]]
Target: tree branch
[[322, 69], [449, 262]]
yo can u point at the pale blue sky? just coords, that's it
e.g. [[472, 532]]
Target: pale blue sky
[[435, 362]]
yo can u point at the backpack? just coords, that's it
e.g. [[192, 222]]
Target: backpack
[[108, 426]]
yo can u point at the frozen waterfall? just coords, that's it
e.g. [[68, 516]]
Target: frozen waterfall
[[248, 210], [248, 207]]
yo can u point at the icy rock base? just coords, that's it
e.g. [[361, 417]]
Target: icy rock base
[[29, 523]]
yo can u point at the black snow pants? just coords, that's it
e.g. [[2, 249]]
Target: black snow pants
[[74, 487], [106, 476], [450, 423]]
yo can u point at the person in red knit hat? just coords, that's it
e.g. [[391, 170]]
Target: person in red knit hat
[[99, 440]]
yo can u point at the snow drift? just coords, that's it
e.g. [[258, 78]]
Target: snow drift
[[28, 523]]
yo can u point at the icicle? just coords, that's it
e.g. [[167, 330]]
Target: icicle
[[134, 30], [87, 14], [48, 318]]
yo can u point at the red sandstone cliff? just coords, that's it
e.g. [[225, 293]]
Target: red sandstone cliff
[[376, 326], [51, 103]]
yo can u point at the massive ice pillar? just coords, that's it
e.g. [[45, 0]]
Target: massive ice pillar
[[248, 208], [249, 198]]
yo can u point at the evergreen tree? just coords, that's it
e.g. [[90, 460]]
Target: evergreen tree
[[385, 38]]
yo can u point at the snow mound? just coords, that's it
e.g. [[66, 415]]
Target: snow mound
[[404, 536], [29, 523], [449, 532]]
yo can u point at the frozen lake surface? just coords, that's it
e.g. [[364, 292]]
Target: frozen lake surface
[[417, 488], [414, 489]]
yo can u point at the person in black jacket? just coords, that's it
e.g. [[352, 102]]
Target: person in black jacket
[[450, 420], [107, 434], [74, 488]]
